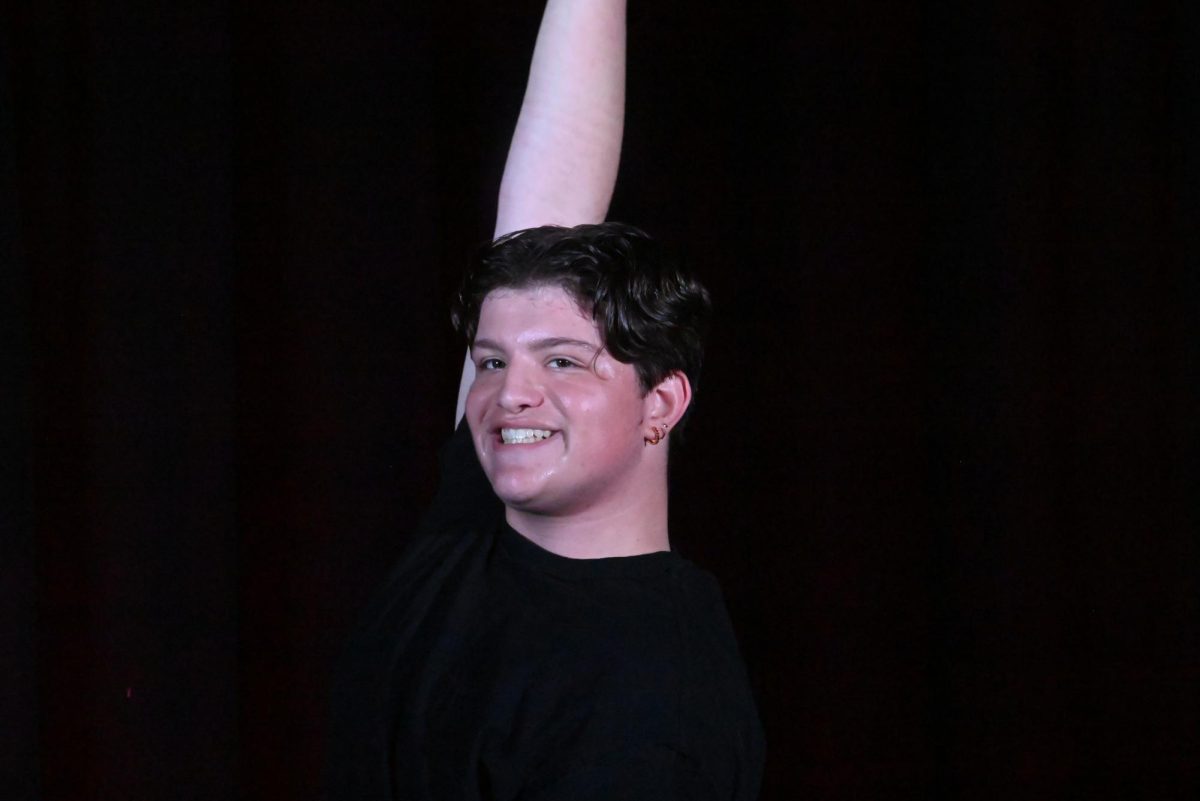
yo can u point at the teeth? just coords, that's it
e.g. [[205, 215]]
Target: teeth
[[522, 436]]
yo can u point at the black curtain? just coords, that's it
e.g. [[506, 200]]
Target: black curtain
[[943, 460]]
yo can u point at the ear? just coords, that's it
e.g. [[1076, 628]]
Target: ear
[[666, 403]]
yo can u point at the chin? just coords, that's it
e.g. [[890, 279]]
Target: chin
[[517, 494], [529, 500]]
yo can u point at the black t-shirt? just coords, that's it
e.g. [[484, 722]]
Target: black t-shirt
[[488, 668]]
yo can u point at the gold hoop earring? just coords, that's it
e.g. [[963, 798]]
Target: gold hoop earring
[[658, 435]]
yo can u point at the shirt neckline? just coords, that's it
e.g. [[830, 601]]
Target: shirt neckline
[[527, 552]]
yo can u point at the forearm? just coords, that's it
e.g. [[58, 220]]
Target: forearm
[[562, 164]]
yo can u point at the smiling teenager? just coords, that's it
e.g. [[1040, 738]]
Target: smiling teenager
[[539, 639], [562, 409], [555, 421]]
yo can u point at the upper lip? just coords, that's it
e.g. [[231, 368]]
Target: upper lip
[[514, 425]]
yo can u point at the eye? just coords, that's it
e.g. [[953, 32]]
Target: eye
[[561, 363], [490, 364]]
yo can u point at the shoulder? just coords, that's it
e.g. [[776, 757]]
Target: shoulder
[[653, 728], [719, 721], [706, 632], [674, 627], [677, 692]]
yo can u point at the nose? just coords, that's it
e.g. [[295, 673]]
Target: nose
[[520, 389]]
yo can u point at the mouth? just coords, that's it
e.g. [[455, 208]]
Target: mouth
[[524, 436]]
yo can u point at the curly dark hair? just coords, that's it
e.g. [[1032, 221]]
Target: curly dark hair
[[650, 312]]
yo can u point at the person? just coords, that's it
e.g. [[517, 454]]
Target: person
[[539, 639]]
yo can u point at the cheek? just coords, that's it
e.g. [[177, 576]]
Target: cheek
[[611, 449], [612, 418], [588, 403], [477, 397], [475, 409]]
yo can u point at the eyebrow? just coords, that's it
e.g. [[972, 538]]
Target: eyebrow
[[549, 343]]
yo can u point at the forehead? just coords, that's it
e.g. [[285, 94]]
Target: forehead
[[534, 313]]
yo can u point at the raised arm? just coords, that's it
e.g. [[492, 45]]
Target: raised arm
[[562, 164]]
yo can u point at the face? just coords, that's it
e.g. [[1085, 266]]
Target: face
[[557, 421]]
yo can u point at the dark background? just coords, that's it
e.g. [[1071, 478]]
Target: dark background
[[943, 457]]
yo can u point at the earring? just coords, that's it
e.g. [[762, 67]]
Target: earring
[[658, 435]]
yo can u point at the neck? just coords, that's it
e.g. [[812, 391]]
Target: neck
[[634, 526]]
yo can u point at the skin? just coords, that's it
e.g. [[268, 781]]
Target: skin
[[594, 488], [566, 148]]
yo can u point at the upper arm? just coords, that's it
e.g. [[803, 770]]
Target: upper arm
[[562, 163], [464, 498]]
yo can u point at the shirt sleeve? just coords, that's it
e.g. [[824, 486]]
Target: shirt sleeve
[[464, 498]]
